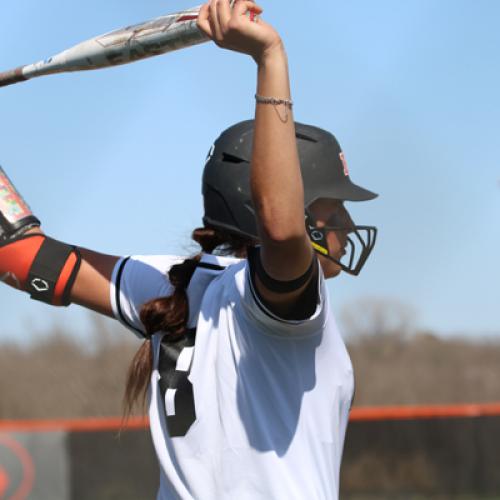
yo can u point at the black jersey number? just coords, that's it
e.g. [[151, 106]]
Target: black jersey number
[[177, 391]]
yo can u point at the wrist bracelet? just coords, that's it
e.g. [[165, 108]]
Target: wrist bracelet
[[274, 101], [288, 103]]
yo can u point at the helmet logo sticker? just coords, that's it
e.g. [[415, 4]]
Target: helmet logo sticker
[[210, 154], [344, 163]]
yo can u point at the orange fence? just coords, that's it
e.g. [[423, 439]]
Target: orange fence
[[420, 451], [73, 425], [357, 415], [425, 412]]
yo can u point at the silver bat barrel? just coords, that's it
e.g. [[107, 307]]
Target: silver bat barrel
[[151, 38]]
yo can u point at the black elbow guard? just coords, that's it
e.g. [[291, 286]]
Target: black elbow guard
[[43, 267]]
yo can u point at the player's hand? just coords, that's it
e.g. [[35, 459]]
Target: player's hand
[[239, 28]]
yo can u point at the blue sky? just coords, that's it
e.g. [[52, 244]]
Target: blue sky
[[112, 160]]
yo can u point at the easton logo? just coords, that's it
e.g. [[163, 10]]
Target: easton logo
[[40, 285], [344, 163]]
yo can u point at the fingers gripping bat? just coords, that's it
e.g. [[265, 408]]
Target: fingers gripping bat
[[151, 38]]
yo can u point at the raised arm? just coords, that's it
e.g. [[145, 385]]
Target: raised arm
[[276, 182]]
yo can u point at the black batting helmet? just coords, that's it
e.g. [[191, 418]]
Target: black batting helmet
[[227, 197]]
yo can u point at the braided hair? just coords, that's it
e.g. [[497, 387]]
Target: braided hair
[[170, 314]]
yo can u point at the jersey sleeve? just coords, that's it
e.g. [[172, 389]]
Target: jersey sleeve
[[137, 280], [305, 304], [270, 323]]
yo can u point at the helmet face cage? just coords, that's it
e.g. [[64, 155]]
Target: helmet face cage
[[360, 243]]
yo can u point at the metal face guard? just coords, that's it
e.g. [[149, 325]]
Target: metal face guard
[[360, 248], [360, 243]]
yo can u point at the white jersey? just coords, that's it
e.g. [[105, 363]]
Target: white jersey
[[247, 406]]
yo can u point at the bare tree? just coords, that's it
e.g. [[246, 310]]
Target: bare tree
[[378, 316]]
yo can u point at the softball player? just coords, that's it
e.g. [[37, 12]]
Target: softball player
[[250, 384]]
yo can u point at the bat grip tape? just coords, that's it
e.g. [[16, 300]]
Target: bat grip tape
[[12, 76], [47, 269]]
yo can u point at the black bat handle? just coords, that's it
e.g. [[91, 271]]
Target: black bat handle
[[12, 76]]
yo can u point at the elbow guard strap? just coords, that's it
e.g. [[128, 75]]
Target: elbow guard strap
[[42, 266]]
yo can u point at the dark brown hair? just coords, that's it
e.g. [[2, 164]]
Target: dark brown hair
[[170, 314]]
